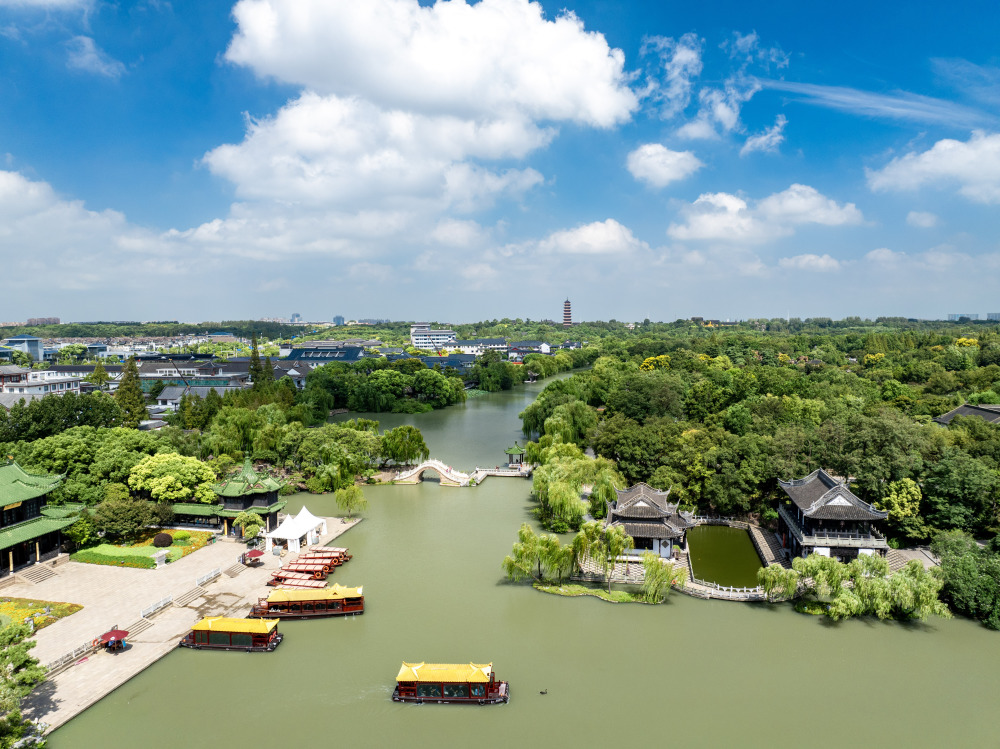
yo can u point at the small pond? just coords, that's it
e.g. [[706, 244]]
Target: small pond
[[723, 555]]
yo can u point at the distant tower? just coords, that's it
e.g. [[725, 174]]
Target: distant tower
[[567, 314]]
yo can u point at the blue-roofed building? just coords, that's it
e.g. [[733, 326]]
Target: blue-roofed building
[[348, 354], [28, 344]]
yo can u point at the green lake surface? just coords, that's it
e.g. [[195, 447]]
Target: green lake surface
[[723, 555], [688, 673]]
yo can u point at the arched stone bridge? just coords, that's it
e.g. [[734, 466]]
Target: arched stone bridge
[[449, 476]]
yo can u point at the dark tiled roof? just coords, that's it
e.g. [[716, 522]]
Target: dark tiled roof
[[650, 530], [822, 497], [988, 413], [648, 512]]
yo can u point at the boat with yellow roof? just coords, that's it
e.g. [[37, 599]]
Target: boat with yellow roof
[[337, 600], [449, 682], [225, 633]]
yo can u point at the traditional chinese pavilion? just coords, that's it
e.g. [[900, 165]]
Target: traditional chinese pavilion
[[245, 491], [515, 455], [823, 516], [27, 534], [654, 523]]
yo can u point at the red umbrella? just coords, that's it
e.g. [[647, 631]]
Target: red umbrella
[[114, 634], [254, 554]]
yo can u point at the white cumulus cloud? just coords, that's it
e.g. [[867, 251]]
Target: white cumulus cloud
[[974, 165], [497, 56], [598, 238], [322, 150], [726, 217], [658, 166]]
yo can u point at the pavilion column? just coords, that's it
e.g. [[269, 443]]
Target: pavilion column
[[38, 553], [10, 556], [225, 526]]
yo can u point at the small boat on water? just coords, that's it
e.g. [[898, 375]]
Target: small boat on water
[[336, 600], [449, 682], [225, 633]]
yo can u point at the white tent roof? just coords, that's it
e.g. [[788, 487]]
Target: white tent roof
[[297, 527], [307, 519]]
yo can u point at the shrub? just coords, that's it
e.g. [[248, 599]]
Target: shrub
[[90, 557], [181, 535], [162, 540]]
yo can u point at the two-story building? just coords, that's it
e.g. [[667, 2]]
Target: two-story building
[[823, 516]]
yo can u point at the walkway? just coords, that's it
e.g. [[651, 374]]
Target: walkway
[[117, 596]]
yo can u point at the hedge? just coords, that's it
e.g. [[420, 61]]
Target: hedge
[[88, 556]]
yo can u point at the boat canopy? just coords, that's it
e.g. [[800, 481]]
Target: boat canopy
[[445, 672], [228, 624], [333, 593]]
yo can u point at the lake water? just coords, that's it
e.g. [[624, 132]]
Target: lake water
[[688, 673], [723, 555]]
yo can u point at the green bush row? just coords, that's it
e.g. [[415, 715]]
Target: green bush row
[[90, 557]]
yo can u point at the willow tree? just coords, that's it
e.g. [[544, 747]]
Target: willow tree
[[603, 545], [525, 557], [555, 557], [777, 581], [659, 577], [351, 498]]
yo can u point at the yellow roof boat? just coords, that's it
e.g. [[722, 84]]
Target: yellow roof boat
[[445, 672]]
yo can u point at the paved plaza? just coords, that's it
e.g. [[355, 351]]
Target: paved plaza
[[115, 596]]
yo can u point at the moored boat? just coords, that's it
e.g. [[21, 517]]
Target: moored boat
[[449, 682], [225, 633], [336, 600]]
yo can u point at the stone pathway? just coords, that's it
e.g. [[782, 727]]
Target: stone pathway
[[116, 596]]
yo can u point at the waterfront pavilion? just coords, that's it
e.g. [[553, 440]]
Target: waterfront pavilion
[[654, 523], [823, 516]]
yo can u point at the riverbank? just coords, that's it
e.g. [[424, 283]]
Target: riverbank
[[116, 596]]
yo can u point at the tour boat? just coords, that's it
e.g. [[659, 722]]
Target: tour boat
[[449, 682], [224, 633], [308, 604]]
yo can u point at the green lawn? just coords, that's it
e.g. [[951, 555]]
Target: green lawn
[[573, 590], [140, 554]]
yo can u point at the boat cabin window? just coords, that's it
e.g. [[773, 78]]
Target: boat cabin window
[[428, 690], [456, 690], [478, 690]]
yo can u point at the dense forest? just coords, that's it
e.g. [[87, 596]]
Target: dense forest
[[719, 416]]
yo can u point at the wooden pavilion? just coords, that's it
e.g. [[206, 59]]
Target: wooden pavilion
[[654, 523]]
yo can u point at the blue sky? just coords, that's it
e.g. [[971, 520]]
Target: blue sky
[[453, 161]]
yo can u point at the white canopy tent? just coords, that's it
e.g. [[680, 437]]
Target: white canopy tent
[[304, 527]]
